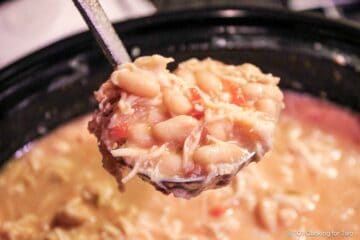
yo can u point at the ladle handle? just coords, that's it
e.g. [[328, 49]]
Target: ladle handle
[[103, 31]]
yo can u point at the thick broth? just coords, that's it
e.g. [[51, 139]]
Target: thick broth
[[308, 184]]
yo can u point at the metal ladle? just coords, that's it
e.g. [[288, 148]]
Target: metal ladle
[[103, 31], [116, 54]]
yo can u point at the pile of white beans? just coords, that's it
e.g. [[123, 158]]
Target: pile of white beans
[[218, 111]]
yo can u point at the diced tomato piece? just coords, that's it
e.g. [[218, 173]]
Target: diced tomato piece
[[195, 96], [239, 100], [119, 132], [217, 211], [237, 97], [195, 99], [196, 113]]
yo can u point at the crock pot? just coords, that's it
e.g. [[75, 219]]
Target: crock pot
[[311, 54]]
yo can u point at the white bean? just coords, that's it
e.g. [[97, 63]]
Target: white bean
[[154, 62], [175, 129], [140, 134], [252, 91], [220, 129], [170, 165], [208, 82], [140, 83], [273, 92], [186, 74], [267, 105], [249, 68], [176, 102], [217, 153]]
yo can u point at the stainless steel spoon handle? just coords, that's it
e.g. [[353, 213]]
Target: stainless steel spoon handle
[[103, 31]]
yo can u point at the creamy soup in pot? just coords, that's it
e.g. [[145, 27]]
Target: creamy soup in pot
[[307, 186]]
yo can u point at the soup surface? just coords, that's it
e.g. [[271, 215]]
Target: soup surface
[[307, 186]]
